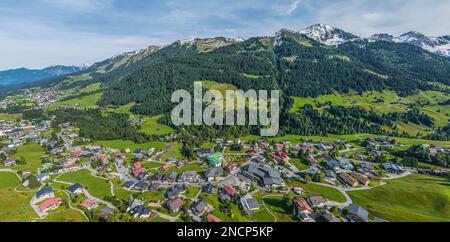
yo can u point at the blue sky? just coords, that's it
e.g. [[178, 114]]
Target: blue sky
[[39, 33]]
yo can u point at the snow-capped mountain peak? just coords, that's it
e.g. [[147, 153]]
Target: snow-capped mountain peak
[[439, 45], [328, 35]]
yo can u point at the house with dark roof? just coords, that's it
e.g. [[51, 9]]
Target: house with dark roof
[[171, 177], [137, 209], [43, 194], [357, 213], [75, 189], [189, 176], [264, 175], [128, 184], [175, 191], [9, 162], [140, 186], [199, 207], [249, 204], [211, 173], [105, 213]]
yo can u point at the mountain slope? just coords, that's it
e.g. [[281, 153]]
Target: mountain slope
[[23, 75]]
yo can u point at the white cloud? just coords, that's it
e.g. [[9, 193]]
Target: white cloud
[[293, 7]]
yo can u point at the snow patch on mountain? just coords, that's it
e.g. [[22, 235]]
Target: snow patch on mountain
[[328, 35]]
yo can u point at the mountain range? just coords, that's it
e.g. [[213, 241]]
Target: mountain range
[[24, 75]]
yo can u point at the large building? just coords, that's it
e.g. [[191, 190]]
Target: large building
[[264, 175], [215, 159]]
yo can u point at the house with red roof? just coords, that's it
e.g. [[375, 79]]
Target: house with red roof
[[76, 154], [50, 204], [229, 190], [89, 203], [165, 167], [137, 164], [138, 171], [301, 207], [103, 158]]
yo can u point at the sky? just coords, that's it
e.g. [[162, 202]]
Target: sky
[[40, 33]]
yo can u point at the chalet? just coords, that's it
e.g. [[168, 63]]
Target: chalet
[[301, 208], [43, 194], [137, 209], [345, 164], [154, 186], [376, 152], [89, 203], [360, 178], [140, 186], [9, 162], [333, 164], [175, 191], [137, 165], [43, 177], [229, 190], [213, 219], [199, 207], [105, 213], [316, 200], [50, 204], [211, 173], [249, 204], [175, 204], [189, 176], [75, 189], [280, 156], [348, 179], [157, 176], [365, 168], [357, 213]]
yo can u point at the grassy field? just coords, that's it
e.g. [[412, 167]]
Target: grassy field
[[32, 154], [88, 101], [96, 187], [10, 117], [14, 206], [151, 127], [327, 192], [412, 198], [274, 202], [386, 102], [127, 144], [172, 150], [299, 164], [234, 215], [353, 137]]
